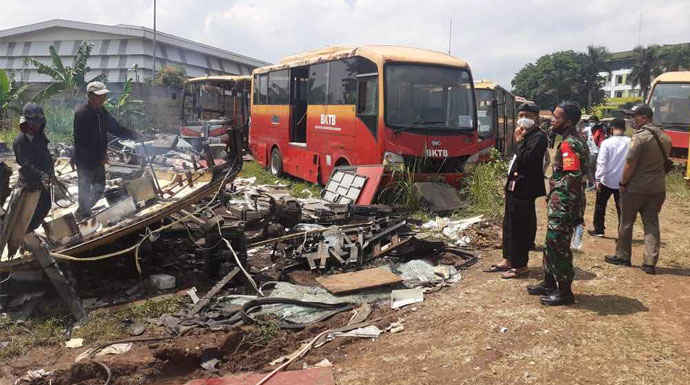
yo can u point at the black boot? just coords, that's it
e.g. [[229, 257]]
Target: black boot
[[544, 287], [562, 296]]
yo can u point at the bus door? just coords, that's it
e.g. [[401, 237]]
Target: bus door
[[299, 82], [367, 101]]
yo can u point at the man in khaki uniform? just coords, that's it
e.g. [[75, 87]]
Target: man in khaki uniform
[[643, 189]]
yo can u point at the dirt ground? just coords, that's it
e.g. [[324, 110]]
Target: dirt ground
[[627, 327]]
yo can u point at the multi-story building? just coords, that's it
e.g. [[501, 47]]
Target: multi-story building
[[119, 51], [618, 82]]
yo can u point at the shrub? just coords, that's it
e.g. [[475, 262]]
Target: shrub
[[484, 186]]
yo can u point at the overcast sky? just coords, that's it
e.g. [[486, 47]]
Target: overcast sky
[[496, 37]]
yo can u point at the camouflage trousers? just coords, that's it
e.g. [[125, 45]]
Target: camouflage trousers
[[558, 259]]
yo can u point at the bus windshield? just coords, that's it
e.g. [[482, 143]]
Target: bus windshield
[[428, 96], [671, 104], [485, 112], [207, 101]]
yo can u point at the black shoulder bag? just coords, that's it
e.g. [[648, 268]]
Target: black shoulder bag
[[668, 164]]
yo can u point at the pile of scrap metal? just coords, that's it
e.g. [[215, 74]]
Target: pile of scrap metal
[[138, 198]]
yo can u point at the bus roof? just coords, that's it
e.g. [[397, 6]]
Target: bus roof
[[376, 53], [488, 85], [673, 77], [221, 78]]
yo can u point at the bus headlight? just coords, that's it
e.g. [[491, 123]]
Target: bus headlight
[[390, 158]]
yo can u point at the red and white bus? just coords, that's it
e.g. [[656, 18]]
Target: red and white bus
[[364, 105], [670, 100]]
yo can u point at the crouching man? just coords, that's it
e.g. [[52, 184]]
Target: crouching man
[[32, 155]]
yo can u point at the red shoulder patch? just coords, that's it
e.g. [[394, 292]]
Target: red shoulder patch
[[571, 161]]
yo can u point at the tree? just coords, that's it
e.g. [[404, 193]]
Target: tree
[[171, 77], [675, 57], [594, 62], [552, 79], [646, 65], [68, 80], [125, 108], [10, 94]]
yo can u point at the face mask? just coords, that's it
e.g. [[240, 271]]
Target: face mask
[[525, 123]]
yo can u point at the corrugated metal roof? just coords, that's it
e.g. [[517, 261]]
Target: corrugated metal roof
[[221, 78]]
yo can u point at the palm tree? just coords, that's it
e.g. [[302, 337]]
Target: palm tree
[[675, 57], [10, 94], [69, 80], [594, 62], [646, 65]]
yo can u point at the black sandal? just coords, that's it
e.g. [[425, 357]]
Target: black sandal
[[497, 269]]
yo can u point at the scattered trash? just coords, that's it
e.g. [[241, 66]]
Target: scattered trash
[[115, 349], [162, 281], [325, 363], [32, 375], [400, 298], [74, 343], [503, 330], [419, 272], [439, 197], [452, 229], [365, 332], [363, 279], [395, 327], [137, 329], [192, 295]]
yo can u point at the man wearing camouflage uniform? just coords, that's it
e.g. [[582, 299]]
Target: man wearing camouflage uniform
[[565, 201]]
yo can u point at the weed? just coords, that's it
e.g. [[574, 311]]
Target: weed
[[105, 325], [401, 192], [676, 185], [484, 187], [48, 331], [266, 330]]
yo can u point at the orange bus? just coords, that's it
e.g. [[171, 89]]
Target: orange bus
[[496, 110], [364, 105], [212, 105]]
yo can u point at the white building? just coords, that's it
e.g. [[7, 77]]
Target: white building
[[119, 51], [618, 84]]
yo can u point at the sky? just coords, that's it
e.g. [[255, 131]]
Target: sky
[[497, 38]]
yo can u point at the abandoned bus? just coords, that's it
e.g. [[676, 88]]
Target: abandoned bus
[[496, 117], [363, 105], [212, 105], [670, 101]]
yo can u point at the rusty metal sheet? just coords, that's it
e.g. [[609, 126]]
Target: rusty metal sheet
[[312, 376], [363, 279]]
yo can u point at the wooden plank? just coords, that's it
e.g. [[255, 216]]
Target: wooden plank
[[363, 279]]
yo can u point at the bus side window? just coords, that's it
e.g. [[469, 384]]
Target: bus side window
[[366, 100]]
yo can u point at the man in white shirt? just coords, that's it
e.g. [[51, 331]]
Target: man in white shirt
[[610, 163]]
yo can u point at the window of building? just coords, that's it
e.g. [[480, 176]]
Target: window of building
[[619, 79], [619, 94], [279, 87]]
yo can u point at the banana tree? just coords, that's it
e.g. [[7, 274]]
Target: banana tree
[[10, 94], [70, 80], [125, 107]]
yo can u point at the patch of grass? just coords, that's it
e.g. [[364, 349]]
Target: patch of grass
[[104, 325], [48, 331], [401, 192], [266, 330], [298, 188], [676, 186], [484, 187]]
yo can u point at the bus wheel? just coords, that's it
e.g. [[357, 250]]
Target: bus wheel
[[276, 162]]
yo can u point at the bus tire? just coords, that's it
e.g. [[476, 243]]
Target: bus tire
[[276, 163]]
